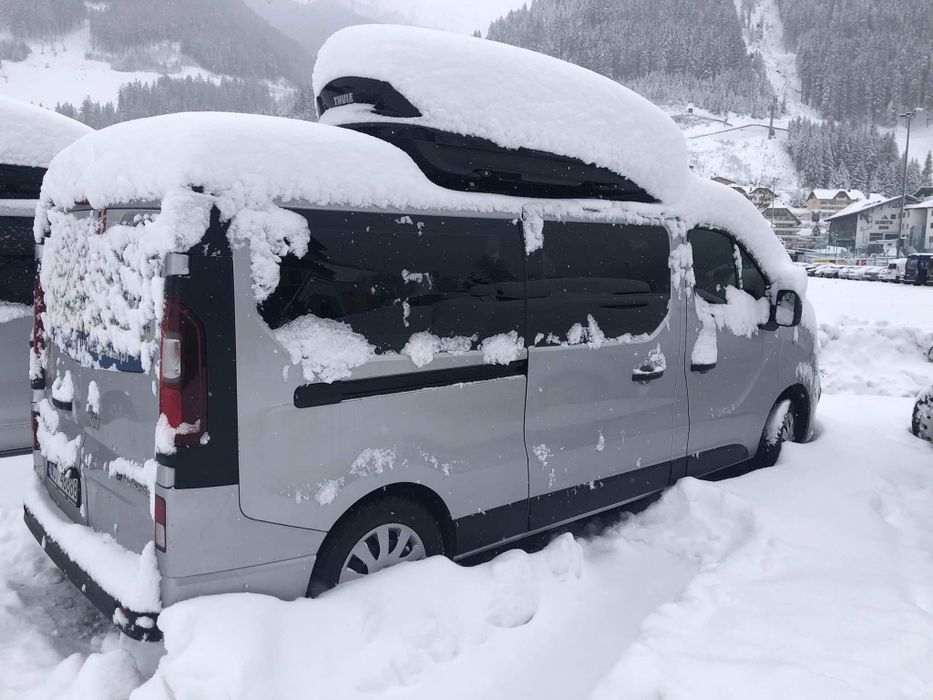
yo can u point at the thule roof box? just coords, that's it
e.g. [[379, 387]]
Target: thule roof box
[[471, 163], [20, 181]]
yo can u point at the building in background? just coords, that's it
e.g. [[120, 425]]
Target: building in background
[[868, 227], [826, 202], [919, 225]]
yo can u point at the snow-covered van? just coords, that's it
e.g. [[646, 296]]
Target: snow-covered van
[[281, 355], [29, 137]]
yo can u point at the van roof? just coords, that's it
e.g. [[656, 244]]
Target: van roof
[[31, 136], [510, 96]]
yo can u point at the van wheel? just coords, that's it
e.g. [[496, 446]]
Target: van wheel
[[780, 427], [921, 422], [375, 536]]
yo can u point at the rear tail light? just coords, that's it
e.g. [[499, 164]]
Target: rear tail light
[[183, 373], [159, 535], [38, 330]]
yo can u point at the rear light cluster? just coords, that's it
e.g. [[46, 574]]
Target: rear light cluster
[[37, 350], [183, 374]]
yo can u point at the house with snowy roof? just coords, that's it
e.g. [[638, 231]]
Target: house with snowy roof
[[826, 202], [918, 224], [759, 195], [784, 222], [870, 226]]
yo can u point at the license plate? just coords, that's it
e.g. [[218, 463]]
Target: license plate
[[69, 487]]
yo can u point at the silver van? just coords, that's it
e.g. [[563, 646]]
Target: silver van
[[417, 382]]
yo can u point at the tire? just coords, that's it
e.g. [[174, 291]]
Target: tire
[[375, 530], [921, 420], [769, 447]]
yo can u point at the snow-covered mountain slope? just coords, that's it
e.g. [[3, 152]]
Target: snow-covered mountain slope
[[463, 16], [59, 70]]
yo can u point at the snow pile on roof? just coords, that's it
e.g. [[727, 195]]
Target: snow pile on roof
[[32, 136], [512, 97], [821, 193]]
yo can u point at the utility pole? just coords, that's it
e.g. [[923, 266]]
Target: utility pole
[[900, 223], [771, 121]]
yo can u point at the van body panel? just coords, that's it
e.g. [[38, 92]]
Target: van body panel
[[15, 394]]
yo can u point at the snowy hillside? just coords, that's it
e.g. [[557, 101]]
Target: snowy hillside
[[59, 70]]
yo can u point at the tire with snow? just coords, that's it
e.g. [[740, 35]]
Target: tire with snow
[[375, 536], [780, 427], [921, 421]]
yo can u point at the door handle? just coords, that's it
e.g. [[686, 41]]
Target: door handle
[[646, 373], [702, 369]]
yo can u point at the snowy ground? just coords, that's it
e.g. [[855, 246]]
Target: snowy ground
[[808, 580]]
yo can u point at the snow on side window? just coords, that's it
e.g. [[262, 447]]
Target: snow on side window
[[346, 299]]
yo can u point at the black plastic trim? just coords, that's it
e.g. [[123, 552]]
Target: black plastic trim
[[98, 597], [20, 181], [385, 99], [702, 368], [480, 530], [62, 405], [715, 459], [313, 395], [208, 291]]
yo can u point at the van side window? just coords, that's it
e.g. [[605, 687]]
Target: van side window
[[619, 274], [17, 260], [753, 280], [713, 264], [390, 276]]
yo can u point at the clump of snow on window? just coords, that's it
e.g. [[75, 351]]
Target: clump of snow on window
[[776, 422], [417, 277], [502, 349], [422, 347], [63, 388], [10, 311], [327, 350], [495, 91], [533, 228], [54, 445], [270, 233], [373, 461], [92, 401], [740, 315], [32, 135], [591, 334]]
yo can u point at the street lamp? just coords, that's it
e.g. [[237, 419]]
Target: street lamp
[[900, 223]]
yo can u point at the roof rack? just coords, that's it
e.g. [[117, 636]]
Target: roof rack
[[20, 181], [386, 101], [473, 164]]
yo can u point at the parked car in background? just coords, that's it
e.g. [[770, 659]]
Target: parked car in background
[[29, 138], [894, 271], [872, 273]]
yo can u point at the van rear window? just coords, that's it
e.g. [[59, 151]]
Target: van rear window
[[17, 260], [391, 276]]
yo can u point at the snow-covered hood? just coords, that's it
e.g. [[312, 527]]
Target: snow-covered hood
[[31, 136], [512, 97]]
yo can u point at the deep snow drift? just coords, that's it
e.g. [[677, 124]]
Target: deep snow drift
[[31, 135], [808, 580]]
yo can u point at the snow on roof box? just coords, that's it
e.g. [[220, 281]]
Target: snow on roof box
[[31, 136], [511, 97]]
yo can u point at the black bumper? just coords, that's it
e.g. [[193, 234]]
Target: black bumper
[[128, 621]]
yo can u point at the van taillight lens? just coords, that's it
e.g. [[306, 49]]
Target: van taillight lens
[[183, 373], [38, 330], [159, 534]]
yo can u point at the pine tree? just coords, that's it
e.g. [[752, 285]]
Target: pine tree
[[926, 174]]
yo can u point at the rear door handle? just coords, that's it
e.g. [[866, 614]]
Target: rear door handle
[[646, 374], [702, 369]]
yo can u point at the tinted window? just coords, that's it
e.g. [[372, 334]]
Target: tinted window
[[753, 281], [714, 264], [17, 260], [389, 277], [618, 274]]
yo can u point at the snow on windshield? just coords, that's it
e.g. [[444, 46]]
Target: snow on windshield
[[31, 136], [512, 97]]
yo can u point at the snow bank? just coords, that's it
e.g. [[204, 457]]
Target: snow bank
[[132, 579], [10, 311], [31, 135], [512, 97]]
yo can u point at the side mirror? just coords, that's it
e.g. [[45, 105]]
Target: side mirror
[[788, 308]]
